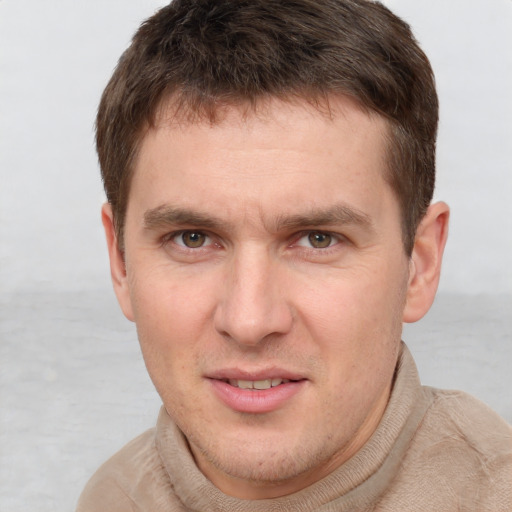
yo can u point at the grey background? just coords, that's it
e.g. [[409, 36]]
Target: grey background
[[73, 388]]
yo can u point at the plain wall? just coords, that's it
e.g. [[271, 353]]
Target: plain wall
[[56, 57]]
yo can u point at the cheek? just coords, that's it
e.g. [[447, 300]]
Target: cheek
[[169, 331], [353, 300], [171, 316], [355, 318], [164, 298]]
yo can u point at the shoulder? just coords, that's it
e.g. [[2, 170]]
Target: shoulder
[[461, 419], [461, 453], [129, 481]]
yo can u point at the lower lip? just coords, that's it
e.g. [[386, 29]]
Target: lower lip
[[256, 401]]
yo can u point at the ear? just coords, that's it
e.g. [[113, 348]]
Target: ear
[[117, 263], [425, 262]]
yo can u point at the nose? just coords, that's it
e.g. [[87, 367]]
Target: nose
[[253, 305]]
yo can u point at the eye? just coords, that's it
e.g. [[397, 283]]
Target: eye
[[191, 239], [317, 240]]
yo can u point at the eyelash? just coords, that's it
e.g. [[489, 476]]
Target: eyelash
[[336, 240], [174, 235]]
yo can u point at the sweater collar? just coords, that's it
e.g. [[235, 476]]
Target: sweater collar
[[356, 484]]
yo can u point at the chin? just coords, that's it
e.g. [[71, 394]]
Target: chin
[[270, 459], [263, 469]]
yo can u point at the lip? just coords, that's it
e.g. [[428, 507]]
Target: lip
[[255, 401], [240, 374]]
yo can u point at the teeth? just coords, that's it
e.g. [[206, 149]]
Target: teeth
[[245, 384], [262, 384], [257, 384]]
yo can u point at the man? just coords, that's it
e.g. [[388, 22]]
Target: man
[[269, 168]]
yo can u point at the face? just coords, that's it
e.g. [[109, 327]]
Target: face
[[266, 275]]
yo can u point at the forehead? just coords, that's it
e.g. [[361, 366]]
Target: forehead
[[320, 110], [271, 157]]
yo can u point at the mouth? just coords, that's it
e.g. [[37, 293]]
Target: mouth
[[256, 395], [258, 385]]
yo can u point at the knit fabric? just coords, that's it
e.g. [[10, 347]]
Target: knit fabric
[[433, 451]]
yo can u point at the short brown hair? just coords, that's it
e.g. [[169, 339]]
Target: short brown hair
[[206, 53]]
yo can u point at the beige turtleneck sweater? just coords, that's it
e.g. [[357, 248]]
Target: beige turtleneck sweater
[[433, 451]]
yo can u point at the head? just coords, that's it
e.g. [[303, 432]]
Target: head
[[269, 167], [203, 54]]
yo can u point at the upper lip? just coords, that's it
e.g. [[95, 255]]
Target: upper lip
[[254, 375]]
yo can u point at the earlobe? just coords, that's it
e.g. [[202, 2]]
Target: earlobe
[[426, 259], [117, 262]]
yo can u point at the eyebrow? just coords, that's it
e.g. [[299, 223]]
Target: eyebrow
[[166, 215], [340, 214], [334, 215]]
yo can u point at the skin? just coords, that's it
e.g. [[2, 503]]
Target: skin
[[295, 263]]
